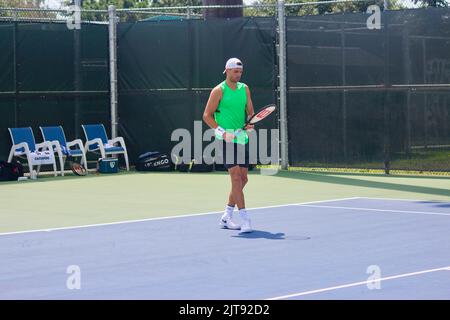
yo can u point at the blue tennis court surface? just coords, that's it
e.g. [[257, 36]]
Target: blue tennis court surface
[[322, 250]]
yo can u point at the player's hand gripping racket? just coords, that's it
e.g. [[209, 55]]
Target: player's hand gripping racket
[[260, 115]]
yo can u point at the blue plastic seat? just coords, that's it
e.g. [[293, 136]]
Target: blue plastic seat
[[97, 141], [56, 136], [24, 145]]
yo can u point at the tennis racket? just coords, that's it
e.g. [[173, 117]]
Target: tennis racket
[[260, 115], [76, 167]]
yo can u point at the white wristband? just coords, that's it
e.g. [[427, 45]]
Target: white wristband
[[219, 131]]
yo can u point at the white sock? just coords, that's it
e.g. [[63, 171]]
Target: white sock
[[243, 214], [228, 212]]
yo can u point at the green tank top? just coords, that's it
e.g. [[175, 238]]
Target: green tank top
[[230, 113]]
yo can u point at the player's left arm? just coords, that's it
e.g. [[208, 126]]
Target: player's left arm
[[249, 107]]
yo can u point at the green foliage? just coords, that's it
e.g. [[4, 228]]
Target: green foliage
[[21, 3], [323, 8], [137, 4], [311, 9], [432, 3]]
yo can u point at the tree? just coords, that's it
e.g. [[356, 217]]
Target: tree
[[323, 8], [179, 3], [103, 4], [25, 15], [433, 3], [223, 12], [21, 3], [128, 4], [137, 4]]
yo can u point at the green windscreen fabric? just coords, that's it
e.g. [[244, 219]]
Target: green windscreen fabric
[[45, 57], [6, 121], [6, 57], [61, 111], [357, 98], [52, 76], [361, 98], [168, 68], [94, 58]]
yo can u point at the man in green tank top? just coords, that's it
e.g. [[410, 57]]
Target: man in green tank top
[[226, 110]]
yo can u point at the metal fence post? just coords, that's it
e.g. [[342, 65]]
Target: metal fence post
[[189, 10], [77, 72], [282, 84], [113, 68], [16, 71]]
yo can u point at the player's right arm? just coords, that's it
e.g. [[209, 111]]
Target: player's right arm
[[210, 109]]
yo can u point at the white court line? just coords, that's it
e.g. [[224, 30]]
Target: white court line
[[163, 218], [408, 200], [379, 210], [304, 293]]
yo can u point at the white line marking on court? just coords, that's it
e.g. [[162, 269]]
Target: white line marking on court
[[163, 218], [379, 210], [408, 200], [304, 293]]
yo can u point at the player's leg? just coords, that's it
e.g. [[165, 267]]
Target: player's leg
[[244, 180], [226, 221], [244, 176], [231, 202], [246, 223], [243, 157], [237, 193]]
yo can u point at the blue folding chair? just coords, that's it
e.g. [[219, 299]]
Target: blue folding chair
[[63, 148], [97, 141], [36, 154]]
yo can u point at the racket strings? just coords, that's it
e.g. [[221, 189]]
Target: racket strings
[[262, 114]]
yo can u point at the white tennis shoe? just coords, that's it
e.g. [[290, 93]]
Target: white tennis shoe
[[228, 223], [246, 226]]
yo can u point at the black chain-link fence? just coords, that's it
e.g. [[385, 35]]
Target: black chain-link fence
[[359, 96], [370, 98]]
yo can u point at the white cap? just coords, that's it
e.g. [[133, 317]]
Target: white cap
[[233, 63]]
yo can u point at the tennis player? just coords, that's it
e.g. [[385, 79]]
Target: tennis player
[[225, 112]]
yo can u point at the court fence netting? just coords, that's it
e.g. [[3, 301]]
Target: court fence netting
[[359, 84]]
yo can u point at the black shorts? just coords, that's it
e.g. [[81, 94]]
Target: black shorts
[[235, 154]]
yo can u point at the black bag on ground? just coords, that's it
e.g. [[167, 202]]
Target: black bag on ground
[[154, 161], [10, 171]]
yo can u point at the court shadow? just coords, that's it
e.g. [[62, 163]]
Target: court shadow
[[259, 234], [439, 204], [342, 180], [443, 205]]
